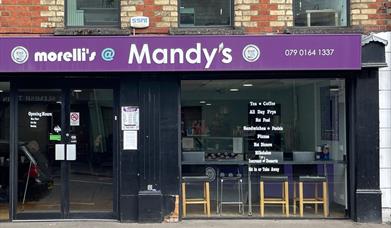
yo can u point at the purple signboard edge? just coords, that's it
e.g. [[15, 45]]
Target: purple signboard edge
[[271, 58]]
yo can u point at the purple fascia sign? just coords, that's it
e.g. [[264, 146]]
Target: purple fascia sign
[[180, 53]]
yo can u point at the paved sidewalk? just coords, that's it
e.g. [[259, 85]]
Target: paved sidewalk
[[201, 224]]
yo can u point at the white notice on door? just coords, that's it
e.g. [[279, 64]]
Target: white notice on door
[[130, 118], [59, 152], [71, 152], [130, 140]]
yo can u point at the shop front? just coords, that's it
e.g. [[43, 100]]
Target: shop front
[[165, 128]]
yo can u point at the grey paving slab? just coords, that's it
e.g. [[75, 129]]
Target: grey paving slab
[[201, 223]]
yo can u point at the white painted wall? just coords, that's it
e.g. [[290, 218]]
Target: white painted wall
[[385, 129]]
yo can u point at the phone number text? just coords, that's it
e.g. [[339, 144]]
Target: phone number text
[[309, 52]]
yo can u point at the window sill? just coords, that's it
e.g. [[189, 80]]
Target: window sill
[[206, 31], [91, 31], [323, 30]]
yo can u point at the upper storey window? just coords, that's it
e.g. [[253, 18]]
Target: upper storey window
[[319, 13], [205, 13], [92, 13]]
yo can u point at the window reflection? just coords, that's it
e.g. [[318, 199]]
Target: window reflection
[[92, 13], [4, 150], [205, 12], [319, 13], [93, 135], [39, 129]]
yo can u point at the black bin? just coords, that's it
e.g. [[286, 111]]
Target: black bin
[[150, 205]]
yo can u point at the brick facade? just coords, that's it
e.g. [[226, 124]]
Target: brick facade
[[23, 17], [263, 16], [371, 15], [254, 16], [162, 14], [54, 13]]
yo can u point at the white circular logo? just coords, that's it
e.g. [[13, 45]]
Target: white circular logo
[[19, 55], [251, 53]]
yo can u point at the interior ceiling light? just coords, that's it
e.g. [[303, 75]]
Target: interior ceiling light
[[247, 84], [234, 90], [77, 90], [209, 104], [202, 102]]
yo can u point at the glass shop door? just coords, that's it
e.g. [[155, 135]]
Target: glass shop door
[[65, 153]]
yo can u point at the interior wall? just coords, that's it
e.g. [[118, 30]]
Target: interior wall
[[306, 119]]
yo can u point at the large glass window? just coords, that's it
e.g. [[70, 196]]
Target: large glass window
[[320, 13], [92, 13], [240, 132], [4, 150], [205, 13]]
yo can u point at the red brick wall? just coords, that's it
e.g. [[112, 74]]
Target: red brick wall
[[162, 14], [255, 16], [22, 17], [371, 15]]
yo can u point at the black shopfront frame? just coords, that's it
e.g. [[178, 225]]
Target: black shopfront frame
[[158, 158]]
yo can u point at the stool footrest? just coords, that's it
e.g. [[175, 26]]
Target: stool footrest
[[196, 202], [231, 203], [311, 199], [274, 202], [312, 202], [266, 199]]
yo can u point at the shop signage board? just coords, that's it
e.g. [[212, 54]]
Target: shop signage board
[[180, 53]]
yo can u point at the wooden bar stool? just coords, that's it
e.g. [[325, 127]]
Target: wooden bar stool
[[284, 200], [205, 200], [315, 200]]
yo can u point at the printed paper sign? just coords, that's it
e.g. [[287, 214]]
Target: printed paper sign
[[59, 152], [74, 119], [130, 140], [71, 152], [130, 118]]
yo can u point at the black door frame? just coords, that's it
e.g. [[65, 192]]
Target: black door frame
[[65, 84]]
